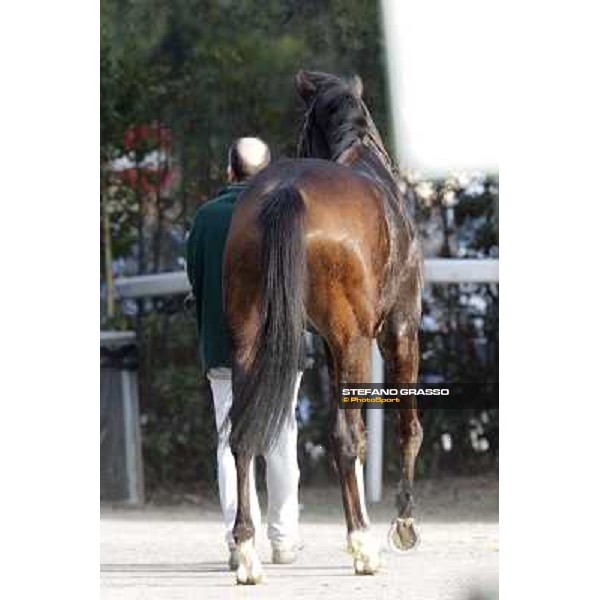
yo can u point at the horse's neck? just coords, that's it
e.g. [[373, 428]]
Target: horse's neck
[[364, 160], [369, 163]]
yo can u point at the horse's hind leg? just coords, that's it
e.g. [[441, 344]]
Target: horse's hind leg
[[399, 345], [249, 571], [352, 364]]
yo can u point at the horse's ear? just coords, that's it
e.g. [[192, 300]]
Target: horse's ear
[[306, 88], [357, 86]]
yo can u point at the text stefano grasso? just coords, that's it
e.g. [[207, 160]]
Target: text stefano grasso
[[408, 391]]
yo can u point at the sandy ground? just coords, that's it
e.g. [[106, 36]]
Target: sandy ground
[[179, 552]]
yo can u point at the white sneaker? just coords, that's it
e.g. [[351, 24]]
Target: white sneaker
[[286, 555]]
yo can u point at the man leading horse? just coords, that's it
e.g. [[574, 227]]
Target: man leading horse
[[247, 156]]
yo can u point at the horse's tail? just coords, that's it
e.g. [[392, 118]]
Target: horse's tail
[[264, 389]]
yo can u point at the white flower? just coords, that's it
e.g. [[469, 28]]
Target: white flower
[[428, 323], [464, 179], [425, 192], [449, 198], [478, 303]]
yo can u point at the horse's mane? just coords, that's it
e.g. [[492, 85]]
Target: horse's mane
[[356, 124]]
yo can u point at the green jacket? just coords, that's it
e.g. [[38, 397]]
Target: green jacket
[[205, 247]]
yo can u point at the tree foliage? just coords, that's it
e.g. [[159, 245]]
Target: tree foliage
[[212, 70], [206, 72]]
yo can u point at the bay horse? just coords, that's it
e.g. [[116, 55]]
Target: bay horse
[[324, 241]]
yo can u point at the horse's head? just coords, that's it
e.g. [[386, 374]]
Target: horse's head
[[336, 115]]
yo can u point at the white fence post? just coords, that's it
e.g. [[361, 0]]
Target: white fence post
[[375, 433], [121, 468]]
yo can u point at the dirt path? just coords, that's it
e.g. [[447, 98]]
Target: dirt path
[[179, 553]]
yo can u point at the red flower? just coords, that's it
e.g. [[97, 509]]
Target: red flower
[[147, 138]]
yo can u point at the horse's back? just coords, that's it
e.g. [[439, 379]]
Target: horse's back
[[337, 199]]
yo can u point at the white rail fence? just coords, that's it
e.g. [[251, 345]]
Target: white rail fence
[[437, 270]]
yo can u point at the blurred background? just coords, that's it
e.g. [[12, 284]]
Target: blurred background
[[180, 81]]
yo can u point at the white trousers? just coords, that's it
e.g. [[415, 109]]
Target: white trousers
[[282, 472]]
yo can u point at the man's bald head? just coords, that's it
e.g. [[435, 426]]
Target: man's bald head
[[247, 156]]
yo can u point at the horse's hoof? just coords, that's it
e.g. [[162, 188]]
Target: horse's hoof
[[249, 571], [243, 578], [365, 567], [403, 535], [365, 553], [249, 575]]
